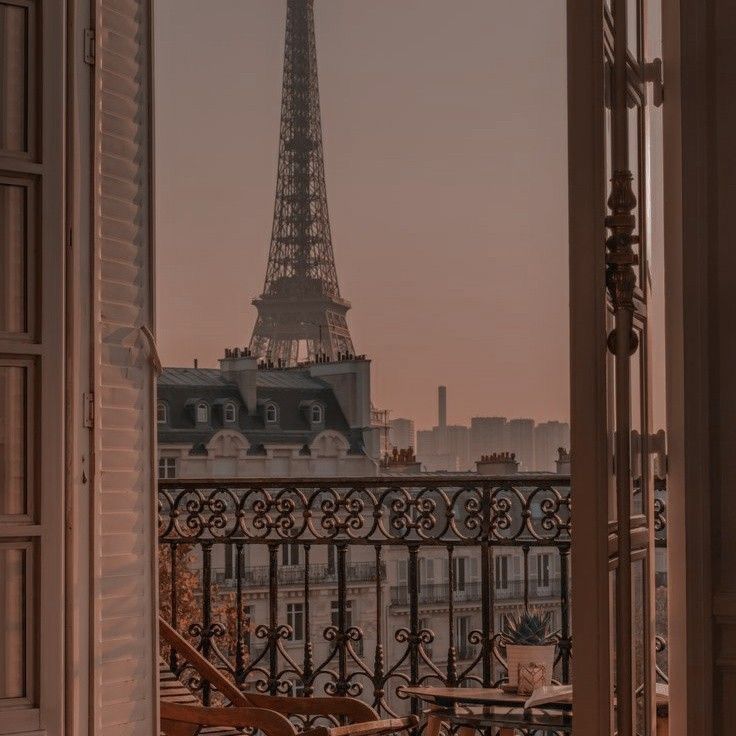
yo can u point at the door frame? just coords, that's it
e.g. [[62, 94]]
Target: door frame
[[696, 67], [690, 230], [588, 401]]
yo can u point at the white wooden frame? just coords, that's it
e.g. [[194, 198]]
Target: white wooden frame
[[699, 144]]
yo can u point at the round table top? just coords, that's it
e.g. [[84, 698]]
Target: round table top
[[445, 697]]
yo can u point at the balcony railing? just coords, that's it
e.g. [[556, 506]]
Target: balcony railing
[[382, 518], [258, 576], [391, 644], [525, 589]]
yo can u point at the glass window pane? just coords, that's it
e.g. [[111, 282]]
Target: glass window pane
[[13, 77], [639, 491], [13, 255], [13, 450], [640, 642], [632, 26], [12, 623], [613, 643]]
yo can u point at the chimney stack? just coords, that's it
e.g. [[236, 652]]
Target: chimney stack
[[563, 461], [498, 463], [239, 367]]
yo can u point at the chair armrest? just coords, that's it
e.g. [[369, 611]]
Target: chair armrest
[[271, 723], [330, 705], [369, 728]]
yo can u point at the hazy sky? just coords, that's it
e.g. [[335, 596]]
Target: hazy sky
[[445, 149]]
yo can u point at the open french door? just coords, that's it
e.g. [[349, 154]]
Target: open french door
[[613, 84], [32, 235]]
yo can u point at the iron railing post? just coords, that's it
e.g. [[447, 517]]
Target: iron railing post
[[239, 624], [273, 615], [206, 612]]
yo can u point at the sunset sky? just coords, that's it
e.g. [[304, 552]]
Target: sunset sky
[[445, 148]]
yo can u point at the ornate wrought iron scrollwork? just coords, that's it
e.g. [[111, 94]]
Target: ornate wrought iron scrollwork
[[448, 515]]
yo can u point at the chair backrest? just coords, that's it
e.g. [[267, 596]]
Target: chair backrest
[[171, 689], [204, 667]]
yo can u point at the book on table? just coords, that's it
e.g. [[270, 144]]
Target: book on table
[[562, 695], [548, 695]]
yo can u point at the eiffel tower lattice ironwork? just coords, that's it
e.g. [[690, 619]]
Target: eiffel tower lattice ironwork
[[301, 314]]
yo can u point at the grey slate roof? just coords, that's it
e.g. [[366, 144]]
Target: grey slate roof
[[288, 379], [191, 377], [290, 390]]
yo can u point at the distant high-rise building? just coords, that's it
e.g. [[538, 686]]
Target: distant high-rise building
[[425, 443], [520, 440], [548, 438], [401, 434], [458, 445], [444, 447], [487, 435]]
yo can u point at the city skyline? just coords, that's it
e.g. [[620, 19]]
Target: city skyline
[[438, 249]]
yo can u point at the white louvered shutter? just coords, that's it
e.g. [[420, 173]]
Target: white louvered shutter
[[124, 686]]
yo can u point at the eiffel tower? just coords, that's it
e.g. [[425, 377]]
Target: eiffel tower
[[301, 314]]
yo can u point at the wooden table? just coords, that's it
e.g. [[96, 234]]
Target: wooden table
[[477, 709], [474, 709]]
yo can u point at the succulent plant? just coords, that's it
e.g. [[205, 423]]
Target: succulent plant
[[530, 627]]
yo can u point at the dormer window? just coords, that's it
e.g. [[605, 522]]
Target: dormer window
[[317, 414], [230, 412], [162, 413], [203, 413], [272, 414]]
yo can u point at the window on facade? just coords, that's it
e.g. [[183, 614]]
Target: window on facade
[[162, 415], [317, 414], [543, 565], [462, 630], [271, 413], [474, 569], [295, 689], [231, 560], [290, 554], [295, 619], [335, 613], [459, 569], [202, 413], [230, 412], [167, 467], [426, 571], [332, 559], [402, 569], [502, 572]]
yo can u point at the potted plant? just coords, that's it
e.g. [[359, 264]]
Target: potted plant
[[529, 642]]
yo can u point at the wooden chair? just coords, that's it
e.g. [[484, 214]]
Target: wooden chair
[[183, 715]]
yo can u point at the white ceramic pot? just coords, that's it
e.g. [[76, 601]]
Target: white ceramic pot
[[524, 654]]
